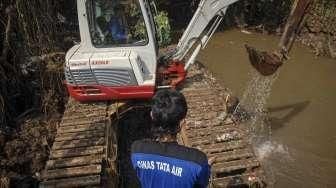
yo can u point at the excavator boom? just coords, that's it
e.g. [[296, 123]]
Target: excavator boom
[[205, 12], [198, 32], [195, 32]]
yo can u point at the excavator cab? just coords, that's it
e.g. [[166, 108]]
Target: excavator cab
[[117, 57]]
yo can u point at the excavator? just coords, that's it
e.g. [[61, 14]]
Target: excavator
[[110, 64], [115, 66]]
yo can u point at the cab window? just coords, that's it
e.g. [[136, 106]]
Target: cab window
[[116, 23]]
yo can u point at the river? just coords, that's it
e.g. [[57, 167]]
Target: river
[[300, 150]]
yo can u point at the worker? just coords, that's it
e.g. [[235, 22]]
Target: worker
[[117, 25], [162, 162]]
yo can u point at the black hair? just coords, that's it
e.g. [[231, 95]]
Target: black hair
[[169, 107]]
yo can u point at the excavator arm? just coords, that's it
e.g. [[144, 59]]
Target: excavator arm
[[195, 32], [172, 70], [265, 62]]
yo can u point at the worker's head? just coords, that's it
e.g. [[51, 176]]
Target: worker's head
[[168, 109]]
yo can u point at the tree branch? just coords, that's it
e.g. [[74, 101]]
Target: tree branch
[[5, 49]]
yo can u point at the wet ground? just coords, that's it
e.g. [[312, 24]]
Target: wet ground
[[300, 147], [23, 156]]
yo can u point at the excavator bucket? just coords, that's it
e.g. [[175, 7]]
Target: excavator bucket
[[265, 63]]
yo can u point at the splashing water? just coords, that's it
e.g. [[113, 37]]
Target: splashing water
[[269, 148], [252, 106], [266, 152]]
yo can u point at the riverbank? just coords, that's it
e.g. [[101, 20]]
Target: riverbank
[[319, 32], [269, 17], [32, 115]]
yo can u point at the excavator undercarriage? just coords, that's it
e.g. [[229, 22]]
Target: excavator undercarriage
[[86, 154]]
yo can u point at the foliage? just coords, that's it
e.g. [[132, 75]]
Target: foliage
[[30, 28], [163, 33], [140, 30], [163, 28], [268, 14]]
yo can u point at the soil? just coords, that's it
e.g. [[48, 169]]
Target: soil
[[25, 142], [24, 154], [319, 32]]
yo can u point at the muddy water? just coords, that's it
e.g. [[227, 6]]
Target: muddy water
[[300, 148]]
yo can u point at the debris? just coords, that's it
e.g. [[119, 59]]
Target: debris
[[228, 136], [246, 32]]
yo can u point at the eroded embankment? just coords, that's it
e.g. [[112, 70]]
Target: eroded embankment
[[32, 114], [268, 16], [319, 32]]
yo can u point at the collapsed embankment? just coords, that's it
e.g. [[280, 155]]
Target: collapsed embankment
[[32, 95], [28, 130], [319, 32]]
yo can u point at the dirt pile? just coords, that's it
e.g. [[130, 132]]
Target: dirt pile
[[32, 95], [26, 141], [27, 149]]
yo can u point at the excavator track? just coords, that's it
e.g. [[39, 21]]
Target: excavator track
[[210, 129], [84, 151]]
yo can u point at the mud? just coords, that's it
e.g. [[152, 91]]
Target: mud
[[24, 154], [319, 32], [26, 139]]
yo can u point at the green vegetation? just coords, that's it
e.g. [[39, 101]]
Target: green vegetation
[[163, 28]]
